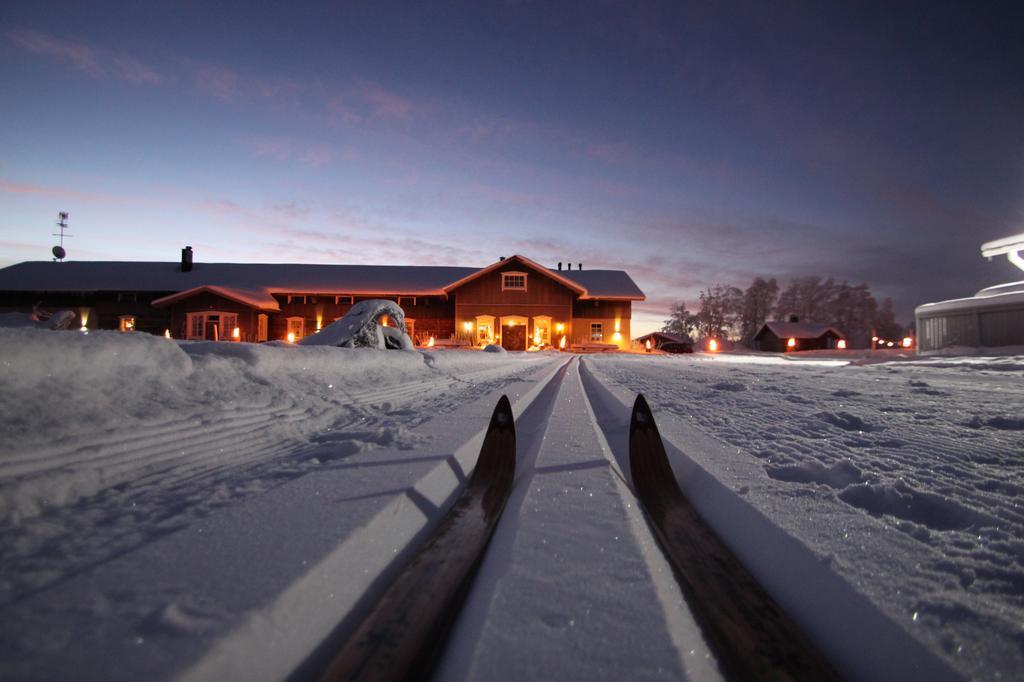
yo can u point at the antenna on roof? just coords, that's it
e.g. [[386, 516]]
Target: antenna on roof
[[62, 222]]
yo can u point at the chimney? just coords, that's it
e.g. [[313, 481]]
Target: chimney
[[501, 258], [579, 265], [559, 266], [186, 259], [794, 318]]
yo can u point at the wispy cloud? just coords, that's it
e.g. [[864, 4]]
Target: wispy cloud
[[287, 150], [94, 61], [79, 55]]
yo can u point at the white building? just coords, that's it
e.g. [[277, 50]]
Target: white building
[[991, 318]]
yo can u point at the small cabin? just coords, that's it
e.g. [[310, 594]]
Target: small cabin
[[782, 337]]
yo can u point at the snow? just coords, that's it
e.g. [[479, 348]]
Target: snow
[[216, 510], [360, 328], [901, 478]]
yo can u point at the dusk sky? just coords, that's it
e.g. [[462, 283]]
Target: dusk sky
[[688, 145]]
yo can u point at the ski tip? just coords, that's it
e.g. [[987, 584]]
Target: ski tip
[[642, 417], [502, 416]]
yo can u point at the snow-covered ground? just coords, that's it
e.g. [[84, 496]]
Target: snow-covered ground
[[209, 510]]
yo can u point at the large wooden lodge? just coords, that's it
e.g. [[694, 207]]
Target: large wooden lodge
[[515, 301]]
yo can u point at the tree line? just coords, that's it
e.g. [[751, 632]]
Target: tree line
[[727, 312]]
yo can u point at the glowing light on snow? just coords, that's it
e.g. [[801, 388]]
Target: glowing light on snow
[[907, 342], [559, 327], [430, 342], [83, 328], [888, 344], [713, 345], [617, 325], [167, 333], [561, 344], [841, 344], [647, 345], [467, 326], [791, 344], [617, 336], [236, 333], [291, 337]]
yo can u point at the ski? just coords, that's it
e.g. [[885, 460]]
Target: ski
[[746, 629], [403, 633]]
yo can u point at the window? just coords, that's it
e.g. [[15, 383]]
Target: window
[[541, 330], [406, 300], [410, 328], [597, 331], [261, 327], [346, 300], [127, 297], [513, 281], [195, 326], [297, 326], [127, 323]]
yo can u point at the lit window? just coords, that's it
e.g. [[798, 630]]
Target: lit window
[[597, 331], [127, 323], [513, 281], [296, 326]]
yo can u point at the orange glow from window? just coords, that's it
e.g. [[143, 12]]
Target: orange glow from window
[[841, 344], [907, 342], [791, 343], [712, 345], [291, 337]]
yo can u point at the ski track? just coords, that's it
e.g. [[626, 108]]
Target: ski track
[[161, 474], [894, 442]]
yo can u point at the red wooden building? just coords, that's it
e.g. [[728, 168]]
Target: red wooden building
[[515, 302]]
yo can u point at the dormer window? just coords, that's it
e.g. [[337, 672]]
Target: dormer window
[[513, 281]]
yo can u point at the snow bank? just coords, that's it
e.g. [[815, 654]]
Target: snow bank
[[85, 412]]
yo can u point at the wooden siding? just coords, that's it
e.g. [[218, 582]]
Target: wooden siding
[[605, 310], [103, 308], [541, 290]]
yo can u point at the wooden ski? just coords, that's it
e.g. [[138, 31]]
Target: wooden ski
[[406, 629], [749, 633]]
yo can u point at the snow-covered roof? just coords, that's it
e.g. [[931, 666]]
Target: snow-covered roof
[[798, 330], [257, 298], [991, 297], [667, 336], [362, 280], [553, 274], [605, 284], [256, 281]]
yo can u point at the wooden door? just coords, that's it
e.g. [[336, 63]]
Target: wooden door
[[513, 337]]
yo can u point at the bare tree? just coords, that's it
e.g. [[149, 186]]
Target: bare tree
[[680, 322], [719, 311], [758, 303]]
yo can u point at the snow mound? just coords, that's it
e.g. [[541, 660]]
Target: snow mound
[[361, 328], [494, 348]]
